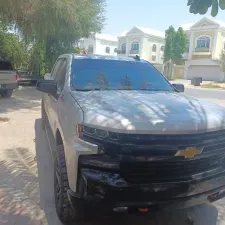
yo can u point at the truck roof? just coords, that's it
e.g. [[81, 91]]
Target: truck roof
[[104, 57]]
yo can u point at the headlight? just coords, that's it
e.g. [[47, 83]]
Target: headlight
[[95, 133]]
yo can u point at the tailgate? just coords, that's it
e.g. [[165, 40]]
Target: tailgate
[[7, 77]]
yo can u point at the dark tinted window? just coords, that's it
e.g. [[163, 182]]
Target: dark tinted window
[[5, 65], [61, 74], [88, 74]]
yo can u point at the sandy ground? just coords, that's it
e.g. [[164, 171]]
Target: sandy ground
[[26, 175]]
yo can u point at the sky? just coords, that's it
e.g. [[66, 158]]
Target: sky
[[156, 14]]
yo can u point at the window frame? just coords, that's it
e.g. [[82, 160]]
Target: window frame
[[107, 50], [135, 43], [154, 48], [201, 40]]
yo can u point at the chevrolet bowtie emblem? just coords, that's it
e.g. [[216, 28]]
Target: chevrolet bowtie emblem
[[190, 152]]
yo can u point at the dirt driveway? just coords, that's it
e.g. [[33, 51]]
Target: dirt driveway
[[26, 175]]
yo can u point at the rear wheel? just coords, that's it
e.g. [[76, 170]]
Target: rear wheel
[[7, 94], [64, 209]]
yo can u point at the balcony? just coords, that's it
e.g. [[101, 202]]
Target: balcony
[[202, 51], [132, 52]]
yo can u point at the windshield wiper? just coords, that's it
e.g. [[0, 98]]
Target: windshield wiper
[[93, 89]]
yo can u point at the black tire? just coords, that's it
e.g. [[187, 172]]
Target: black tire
[[7, 94], [64, 209]]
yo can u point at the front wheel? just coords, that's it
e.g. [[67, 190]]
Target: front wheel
[[7, 94], [64, 209]]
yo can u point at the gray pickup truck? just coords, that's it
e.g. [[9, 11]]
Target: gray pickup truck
[[8, 79], [124, 138]]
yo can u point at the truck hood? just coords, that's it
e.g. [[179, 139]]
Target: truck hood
[[149, 112]]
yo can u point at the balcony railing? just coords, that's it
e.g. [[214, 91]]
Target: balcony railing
[[136, 51], [202, 49]]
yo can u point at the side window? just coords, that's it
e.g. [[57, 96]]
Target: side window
[[61, 77], [55, 70]]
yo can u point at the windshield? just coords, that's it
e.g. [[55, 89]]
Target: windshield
[[100, 74]]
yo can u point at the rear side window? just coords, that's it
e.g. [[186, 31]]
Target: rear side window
[[5, 65]]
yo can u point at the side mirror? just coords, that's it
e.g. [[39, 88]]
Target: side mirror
[[47, 86], [179, 87]]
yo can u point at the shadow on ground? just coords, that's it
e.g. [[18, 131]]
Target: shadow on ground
[[19, 188], [202, 215], [22, 98]]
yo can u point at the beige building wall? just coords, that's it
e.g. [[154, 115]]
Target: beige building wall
[[145, 50], [219, 44]]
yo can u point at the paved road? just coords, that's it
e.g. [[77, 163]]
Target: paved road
[[216, 96], [26, 175]]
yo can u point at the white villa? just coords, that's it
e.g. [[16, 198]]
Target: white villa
[[103, 44], [144, 42]]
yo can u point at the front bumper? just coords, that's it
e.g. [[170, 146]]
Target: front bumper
[[111, 191]]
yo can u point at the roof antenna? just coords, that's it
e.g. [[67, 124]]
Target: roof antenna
[[137, 58]]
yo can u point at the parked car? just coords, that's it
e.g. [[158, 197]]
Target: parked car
[[124, 138], [8, 79]]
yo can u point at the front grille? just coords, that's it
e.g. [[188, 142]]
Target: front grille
[[166, 171], [178, 139], [172, 169]]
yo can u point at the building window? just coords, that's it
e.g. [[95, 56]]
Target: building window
[[107, 50], [90, 49], [203, 42], [153, 58], [162, 48], [135, 45], [154, 48], [115, 50], [123, 48]]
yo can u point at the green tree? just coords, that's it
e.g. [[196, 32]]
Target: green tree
[[202, 6], [169, 45], [59, 24], [175, 46], [12, 47]]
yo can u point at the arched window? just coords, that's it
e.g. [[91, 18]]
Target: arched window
[[90, 49], [162, 48], [203, 42], [135, 46], [123, 48], [154, 48], [115, 50], [107, 50]]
